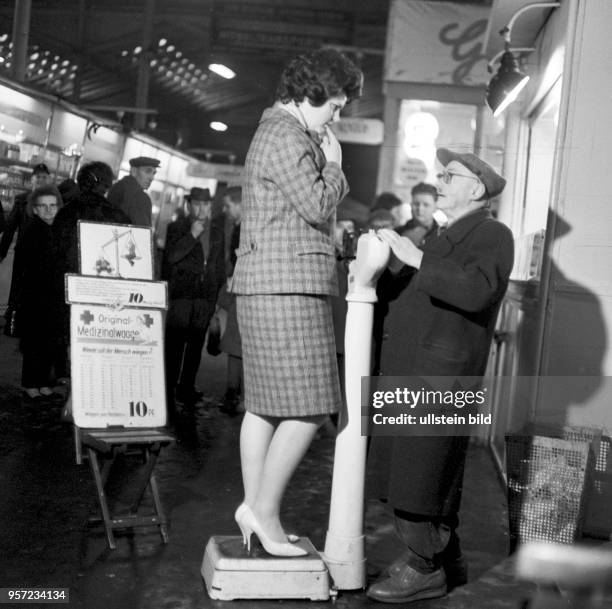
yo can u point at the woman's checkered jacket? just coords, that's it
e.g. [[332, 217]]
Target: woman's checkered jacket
[[289, 212]]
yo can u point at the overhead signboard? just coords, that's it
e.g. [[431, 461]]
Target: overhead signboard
[[437, 42], [216, 171], [359, 131]]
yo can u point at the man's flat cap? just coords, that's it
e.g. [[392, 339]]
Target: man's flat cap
[[492, 181], [144, 161]]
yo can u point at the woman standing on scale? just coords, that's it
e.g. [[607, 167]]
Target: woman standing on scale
[[284, 278]]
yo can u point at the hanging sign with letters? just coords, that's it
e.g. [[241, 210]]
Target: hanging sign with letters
[[436, 42]]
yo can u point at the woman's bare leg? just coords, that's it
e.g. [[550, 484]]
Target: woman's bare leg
[[255, 437], [288, 446]]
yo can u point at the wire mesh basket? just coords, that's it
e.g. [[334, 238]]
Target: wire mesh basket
[[547, 482]]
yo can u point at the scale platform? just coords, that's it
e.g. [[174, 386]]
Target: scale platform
[[230, 573]]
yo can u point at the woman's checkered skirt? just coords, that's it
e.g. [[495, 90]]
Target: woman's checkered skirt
[[289, 355]]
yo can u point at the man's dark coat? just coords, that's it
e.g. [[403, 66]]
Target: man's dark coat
[[441, 323], [193, 286]]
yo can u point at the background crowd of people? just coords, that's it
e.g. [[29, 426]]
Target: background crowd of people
[[42, 224]]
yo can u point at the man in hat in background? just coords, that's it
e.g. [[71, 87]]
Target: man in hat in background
[[194, 266], [128, 194], [16, 222], [441, 323]]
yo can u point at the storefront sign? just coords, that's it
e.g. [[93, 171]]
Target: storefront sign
[[116, 292], [359, 131], [117, 364], [216, 171], [437, 42]]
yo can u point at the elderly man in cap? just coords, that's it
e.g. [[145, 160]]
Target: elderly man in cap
[[441, 323], [129, 195], [16, 222], [194, 266]]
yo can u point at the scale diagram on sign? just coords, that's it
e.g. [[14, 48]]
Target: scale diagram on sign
[[129, 249], [115, 250]]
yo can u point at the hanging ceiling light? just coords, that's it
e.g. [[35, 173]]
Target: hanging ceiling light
[[218, 126], [221, 70], [509, 81]]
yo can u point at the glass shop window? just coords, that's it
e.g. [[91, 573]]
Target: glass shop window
[[423, 126], [542, 138]]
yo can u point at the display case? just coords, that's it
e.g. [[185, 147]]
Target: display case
[[23, 137]]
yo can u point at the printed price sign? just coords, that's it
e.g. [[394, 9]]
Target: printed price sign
[[123, 292], [117, 363]]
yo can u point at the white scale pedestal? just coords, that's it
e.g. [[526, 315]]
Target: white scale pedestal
[[230, 573]]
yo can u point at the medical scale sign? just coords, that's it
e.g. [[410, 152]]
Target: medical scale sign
[[117, 367], [81, 289], [115, 250]]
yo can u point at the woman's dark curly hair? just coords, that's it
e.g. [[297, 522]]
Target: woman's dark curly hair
[[318, 76], [94, 175]]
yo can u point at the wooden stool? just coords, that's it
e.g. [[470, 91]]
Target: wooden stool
[[108, 444]]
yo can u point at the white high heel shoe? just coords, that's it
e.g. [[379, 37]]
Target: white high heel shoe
[[249, 524], [291, 538]]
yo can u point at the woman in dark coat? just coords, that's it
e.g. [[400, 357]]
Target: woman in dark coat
[[41, 350], [93, 180]]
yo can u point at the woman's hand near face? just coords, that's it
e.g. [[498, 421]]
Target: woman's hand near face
[[331, 146], [402, 247]]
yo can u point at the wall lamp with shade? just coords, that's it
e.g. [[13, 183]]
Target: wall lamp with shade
[[509, 81]]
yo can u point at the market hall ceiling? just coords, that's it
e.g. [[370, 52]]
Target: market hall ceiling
[[88, 51]]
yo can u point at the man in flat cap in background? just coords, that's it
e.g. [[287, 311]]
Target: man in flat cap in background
[[441, 323], [16, 222], [128, 194], [194, 267]]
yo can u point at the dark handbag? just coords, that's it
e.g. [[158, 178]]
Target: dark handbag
[[214, 336], [11, 326]]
